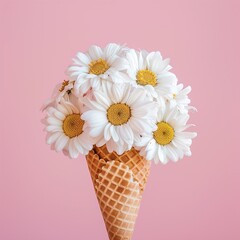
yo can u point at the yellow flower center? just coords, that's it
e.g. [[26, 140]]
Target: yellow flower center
[[118, 113], [64, 84], [174, 95], [146, 77], [73, 125], [164, 133], [98, 67]]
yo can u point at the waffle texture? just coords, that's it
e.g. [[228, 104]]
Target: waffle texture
[[138, 164], [119, 182]]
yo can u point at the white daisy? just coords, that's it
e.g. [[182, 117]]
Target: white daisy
[[64, 91], [151, 72], [118, 115], [179, 98], [67, 131], [169, 141], [98, 66]]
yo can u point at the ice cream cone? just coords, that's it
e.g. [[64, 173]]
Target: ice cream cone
[[119, 182]]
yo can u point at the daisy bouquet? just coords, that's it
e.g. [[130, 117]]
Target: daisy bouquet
[[122, 109]]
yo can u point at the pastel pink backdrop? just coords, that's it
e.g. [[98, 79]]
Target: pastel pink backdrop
[[46, 196]]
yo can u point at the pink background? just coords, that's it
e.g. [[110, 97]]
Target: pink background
[[44, 195]]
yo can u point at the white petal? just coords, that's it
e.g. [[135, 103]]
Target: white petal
[[100, 142], [187, 135], [59, 115], [85, 141], [96, 131], [114, 133], [54, 121], [171, 153], [117, 93], [95, 118], [102, 100], [143, 110], [135, 96], [61, 142], [72, 150], [95, 52], [93, 105], [78, 145], [133, 60], [107, 134], [152, 152], [127, 134], [111, 49], [164, 159], [83, 58], [53, 137], [62, 109], [53, 128]]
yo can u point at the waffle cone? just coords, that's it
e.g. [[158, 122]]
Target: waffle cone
[[119, 182]]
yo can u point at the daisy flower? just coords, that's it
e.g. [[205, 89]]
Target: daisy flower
[[118, 115], [179, 98], [169, 141], [98, 66], [67, 130], [64, 91], [151, 72]]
